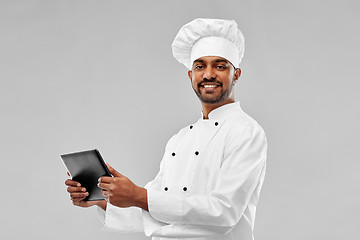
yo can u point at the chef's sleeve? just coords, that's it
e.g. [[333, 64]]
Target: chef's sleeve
[[178, 215], [130, 219]]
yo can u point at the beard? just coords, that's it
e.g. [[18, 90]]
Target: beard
[[223, 95]]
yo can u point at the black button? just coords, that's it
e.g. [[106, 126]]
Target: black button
[[185, 188], [196, 153], [173, 154], [165, 188], [191, 127], [216, 123]]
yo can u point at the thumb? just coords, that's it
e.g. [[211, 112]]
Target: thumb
[[113, 171]]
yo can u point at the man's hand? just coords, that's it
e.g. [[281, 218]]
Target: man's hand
[[78, 193], [121, 192]]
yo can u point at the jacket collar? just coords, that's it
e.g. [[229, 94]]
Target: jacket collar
[[224, 111]]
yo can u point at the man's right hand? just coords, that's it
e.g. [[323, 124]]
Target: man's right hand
[[78, 194]]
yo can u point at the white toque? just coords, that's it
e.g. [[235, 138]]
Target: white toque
[[209, 37]]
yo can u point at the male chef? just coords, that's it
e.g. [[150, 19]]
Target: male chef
[[212, 170]]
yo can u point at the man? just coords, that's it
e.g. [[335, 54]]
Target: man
[[212, 171]]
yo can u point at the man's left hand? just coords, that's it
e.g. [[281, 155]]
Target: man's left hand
[[120, 191]]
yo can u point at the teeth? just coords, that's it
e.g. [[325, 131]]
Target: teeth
[[210, 86]]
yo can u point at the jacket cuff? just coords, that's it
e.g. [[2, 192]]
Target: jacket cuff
[[165, 207], [101, 215], [123, 219]]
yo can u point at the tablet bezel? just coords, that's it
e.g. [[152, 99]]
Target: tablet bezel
[[101, 161]]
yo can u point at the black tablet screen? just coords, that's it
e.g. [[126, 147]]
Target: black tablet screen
[[86, 168]]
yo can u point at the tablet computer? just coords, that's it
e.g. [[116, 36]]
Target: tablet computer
[[87, 167]]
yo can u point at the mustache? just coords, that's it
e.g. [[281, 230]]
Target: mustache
[[211, 80]]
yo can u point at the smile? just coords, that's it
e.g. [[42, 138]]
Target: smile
[[210, 86]]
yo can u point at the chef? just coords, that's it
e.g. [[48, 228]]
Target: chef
[[212, 170]]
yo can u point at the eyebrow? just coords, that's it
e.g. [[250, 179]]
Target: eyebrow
[[225, 61], [198, 60], [216, 60], [221, 60]]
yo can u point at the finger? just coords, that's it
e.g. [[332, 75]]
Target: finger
[[76, 189], [68, 174], [73, 183], [113, 171], [105, 193], [105, 179], [77, 201], [104, 186], [79, 195]]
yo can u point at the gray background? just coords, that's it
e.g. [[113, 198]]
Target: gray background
[[76, 75]]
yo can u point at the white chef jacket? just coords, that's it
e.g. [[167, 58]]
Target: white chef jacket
[[208, 185]]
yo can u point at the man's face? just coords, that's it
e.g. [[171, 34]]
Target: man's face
[[213, 79]]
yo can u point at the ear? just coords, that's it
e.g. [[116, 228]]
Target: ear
[[237, 74], [190, 74]]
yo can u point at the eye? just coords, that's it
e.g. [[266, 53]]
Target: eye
[[198, 67], [221, 67]]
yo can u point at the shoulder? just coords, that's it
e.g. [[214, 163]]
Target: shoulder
[[241, 127], [244, 137]]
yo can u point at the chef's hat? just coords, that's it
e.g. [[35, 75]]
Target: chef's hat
[[209, 37]]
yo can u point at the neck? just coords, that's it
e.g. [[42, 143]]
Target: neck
[[208, 107]]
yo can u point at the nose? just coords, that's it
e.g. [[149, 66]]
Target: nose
[[209, 73]]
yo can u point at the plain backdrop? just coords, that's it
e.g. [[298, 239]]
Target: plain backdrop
[[77, 75]]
